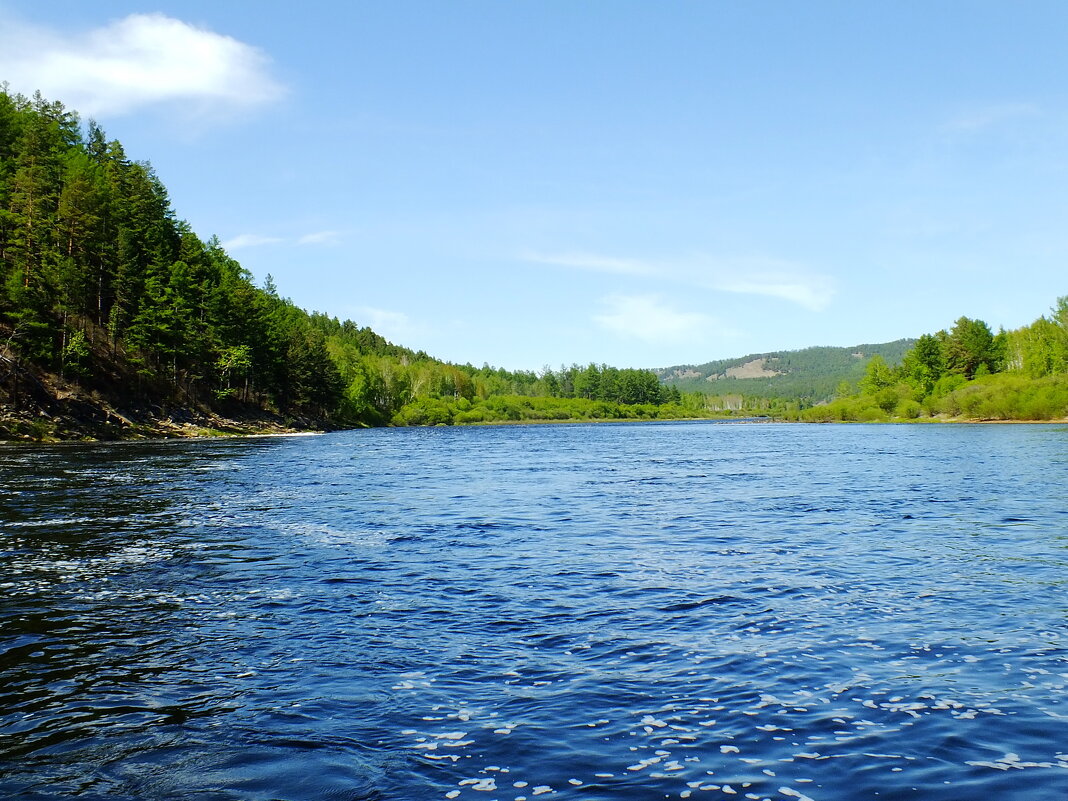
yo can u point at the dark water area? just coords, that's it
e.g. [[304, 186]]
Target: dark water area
[[696, 610]]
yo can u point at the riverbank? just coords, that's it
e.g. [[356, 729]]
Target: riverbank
[[44, 408], [186, 424], [117, 404], [111, 425]]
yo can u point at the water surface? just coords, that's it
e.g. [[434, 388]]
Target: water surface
[[698, 610]]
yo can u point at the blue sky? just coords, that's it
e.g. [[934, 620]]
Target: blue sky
[[637, 183]]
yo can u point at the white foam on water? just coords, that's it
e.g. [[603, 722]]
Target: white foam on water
[[790, 792]]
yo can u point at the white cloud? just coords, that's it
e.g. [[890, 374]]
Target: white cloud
[[255, 240], [592, 262], [772, 278], [814, 298], [395, 326], [140, 60], [249, 241], [747, 276], [648, 318], [320, 238]]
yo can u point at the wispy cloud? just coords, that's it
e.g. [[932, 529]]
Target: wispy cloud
[[250, 241], [747, 276], [255, 240], [591, 262], [142, 59], [650, 319], [772, 278], [810, 296], [320, 238], [976, 119]]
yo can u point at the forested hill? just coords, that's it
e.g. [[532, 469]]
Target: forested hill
[[113, 312], [117, 319], [813, 374]]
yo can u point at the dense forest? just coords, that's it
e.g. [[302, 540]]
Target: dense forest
[[966, 372], [108, 298]]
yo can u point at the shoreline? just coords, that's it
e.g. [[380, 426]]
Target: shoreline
[[227, 428], [21, 428]]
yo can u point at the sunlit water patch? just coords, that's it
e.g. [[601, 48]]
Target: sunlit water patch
[[579, 612]]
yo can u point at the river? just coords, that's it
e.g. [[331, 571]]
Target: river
[[634, 611]]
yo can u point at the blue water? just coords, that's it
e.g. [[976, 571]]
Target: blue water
[[636, 611]]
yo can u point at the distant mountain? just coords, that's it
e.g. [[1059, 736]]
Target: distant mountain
[[812, 374]]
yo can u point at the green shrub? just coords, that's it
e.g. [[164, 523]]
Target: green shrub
[[871, 414], [909, 409], [424, 412]]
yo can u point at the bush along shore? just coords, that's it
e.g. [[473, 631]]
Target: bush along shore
[[966, 373]]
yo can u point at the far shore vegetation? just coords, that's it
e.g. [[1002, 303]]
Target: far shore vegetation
[[968, 373]]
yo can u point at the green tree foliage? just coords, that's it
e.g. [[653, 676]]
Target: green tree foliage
[[92, 258], [1041, 349], [971, 348], [967, 372], [877, 376], [925, 363]]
